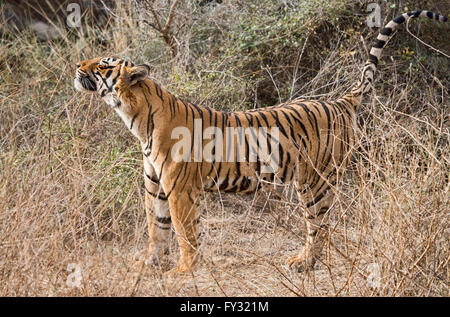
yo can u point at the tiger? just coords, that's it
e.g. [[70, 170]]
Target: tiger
[[314, 141]]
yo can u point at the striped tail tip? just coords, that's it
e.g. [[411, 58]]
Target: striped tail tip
[[364, 85]]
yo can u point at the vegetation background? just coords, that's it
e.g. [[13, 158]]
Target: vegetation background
[[72, 219]]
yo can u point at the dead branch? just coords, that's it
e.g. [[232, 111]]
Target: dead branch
[[165, 32]]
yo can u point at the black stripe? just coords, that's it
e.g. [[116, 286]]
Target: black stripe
[[154, 180], [158, 91], [327, 113], [191, 200], [274, 114], [342, 107], [380, 44], [316, 126], [400, 19], [238, 122], [291, 127], [245, 184], [286, 167], [237, 175], [187, 112], [210, 113], [161, 196], [113, 82], [224, 185], [216, 177], [200, 112], [297, 118], [160, 227], [164, 220], [172, 107], [247, 149], [373, 59], [132, 120], [249, 118], [185, 179], [176, 179], [149, 124], [264, 118], [317, 198], [386, 31], [162, 165]]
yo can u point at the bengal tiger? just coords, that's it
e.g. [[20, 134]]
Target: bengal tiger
[[314, 139]]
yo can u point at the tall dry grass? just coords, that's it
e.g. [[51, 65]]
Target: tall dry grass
[[71, 191]]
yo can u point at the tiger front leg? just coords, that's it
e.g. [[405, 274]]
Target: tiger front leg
[[159, 225], [185, 221], [158, 216]]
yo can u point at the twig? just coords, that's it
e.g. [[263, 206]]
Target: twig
[[427, 45], [165, 32]]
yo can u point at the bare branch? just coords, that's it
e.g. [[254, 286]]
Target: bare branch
[[170, 16], [155, 16]]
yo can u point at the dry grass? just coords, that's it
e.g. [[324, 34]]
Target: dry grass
[[71, 187]]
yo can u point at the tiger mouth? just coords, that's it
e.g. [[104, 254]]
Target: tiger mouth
[[86, 83]]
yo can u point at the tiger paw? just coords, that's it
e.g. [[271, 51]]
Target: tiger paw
[[153, 260], [155, 257], [300, 263], [179, 271]]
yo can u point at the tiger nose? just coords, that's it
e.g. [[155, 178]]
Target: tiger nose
[[78, 65]]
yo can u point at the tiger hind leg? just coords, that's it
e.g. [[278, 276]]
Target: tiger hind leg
[[316, 218]]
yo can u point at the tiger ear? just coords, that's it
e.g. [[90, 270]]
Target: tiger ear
[[138, 73]]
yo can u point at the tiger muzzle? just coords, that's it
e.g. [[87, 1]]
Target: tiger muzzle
[[88, 83]]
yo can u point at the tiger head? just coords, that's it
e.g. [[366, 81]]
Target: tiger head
[[108, 76]]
